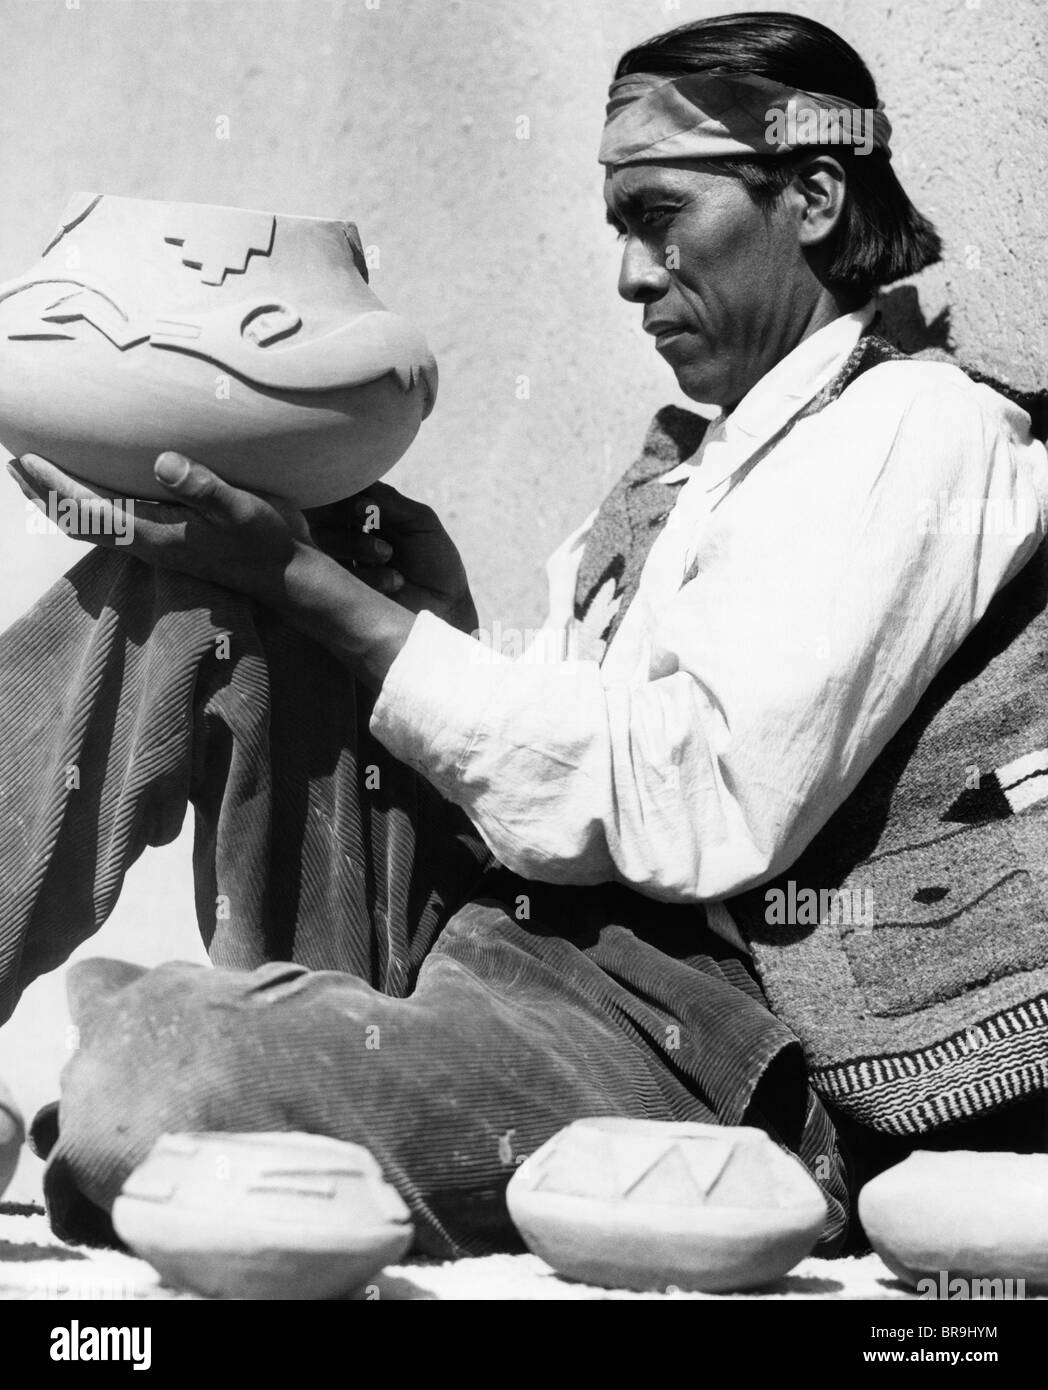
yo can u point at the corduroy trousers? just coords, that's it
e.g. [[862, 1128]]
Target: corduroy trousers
[[377, 977]]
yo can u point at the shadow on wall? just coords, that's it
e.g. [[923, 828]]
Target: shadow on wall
[[903, 323]]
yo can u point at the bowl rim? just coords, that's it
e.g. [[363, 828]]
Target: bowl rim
[[211, 207]]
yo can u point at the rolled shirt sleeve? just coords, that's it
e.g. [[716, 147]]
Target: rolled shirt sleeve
[[830, 586]]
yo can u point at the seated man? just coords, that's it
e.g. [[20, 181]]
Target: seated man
[[458, 900]]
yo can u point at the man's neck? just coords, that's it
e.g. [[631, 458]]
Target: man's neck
[[825, 309]]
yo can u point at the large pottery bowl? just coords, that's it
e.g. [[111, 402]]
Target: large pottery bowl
[[645, 1204], [248, 340]]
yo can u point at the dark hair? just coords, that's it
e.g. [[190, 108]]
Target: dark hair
[[881, 237]]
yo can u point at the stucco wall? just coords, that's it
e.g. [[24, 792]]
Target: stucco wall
[[406, 116], [964, 85]]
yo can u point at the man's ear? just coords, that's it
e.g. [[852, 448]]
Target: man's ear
[[818, 191]]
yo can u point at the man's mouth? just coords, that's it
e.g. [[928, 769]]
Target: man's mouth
[[665, 333], [669, 340]]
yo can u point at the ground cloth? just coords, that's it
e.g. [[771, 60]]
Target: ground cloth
[[379, 981]]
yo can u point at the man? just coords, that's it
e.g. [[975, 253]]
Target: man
[[503, 886]]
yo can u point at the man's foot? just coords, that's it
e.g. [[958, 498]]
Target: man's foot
[[12, 1137]]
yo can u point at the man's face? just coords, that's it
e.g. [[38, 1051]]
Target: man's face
[[724, 284]]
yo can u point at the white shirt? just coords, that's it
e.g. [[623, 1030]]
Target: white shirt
[[732, 715]]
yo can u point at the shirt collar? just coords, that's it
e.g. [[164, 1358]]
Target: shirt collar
[[775, 399], [799, 376]]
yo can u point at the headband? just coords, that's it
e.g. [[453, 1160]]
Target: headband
[[703, 116]]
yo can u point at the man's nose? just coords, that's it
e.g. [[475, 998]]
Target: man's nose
[[643, 276]]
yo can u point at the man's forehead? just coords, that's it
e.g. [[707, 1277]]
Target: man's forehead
[[625, 183]]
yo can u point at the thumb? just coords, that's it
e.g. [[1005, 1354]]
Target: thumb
[[196, 486]]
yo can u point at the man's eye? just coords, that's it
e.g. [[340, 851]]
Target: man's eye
[[654, 216]]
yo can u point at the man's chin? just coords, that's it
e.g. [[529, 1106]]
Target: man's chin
[[702, 384]]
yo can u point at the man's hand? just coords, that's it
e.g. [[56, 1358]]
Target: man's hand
[[211, 529], [267, 550], [400, 548]]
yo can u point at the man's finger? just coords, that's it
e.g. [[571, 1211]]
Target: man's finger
[[382, 578], [196, 486], [22, 479], [46, 477], [394, 510], [362, 549], [79, 511]]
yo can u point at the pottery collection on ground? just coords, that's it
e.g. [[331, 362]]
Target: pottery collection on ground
[[628, 1204]]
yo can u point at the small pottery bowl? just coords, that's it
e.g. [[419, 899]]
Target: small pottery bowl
[[963, 1214], [12, 1137], [266, 1216], [644, 1204]]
